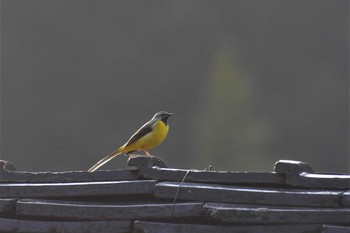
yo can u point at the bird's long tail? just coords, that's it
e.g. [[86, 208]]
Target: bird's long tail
[[106, 159]]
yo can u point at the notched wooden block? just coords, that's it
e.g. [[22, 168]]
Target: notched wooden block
[[300, 174], [292, 167]]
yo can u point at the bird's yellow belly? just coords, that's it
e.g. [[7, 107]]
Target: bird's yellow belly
[[152, 139]]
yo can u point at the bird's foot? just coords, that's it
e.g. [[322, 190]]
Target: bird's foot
[[147, 153]]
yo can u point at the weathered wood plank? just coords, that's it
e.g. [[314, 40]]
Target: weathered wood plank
[[335, 229], [148, 168], [300, 174], [26, 226], [86, 211], [27, 190], [248, 195], [157, 227], [7, 206], [217, 177], [234, 213], [67, 176], [346, 198]]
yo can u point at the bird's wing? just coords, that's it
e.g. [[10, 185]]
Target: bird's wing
[[145, 129]]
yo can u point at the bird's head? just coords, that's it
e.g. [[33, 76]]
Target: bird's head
[[163, 116]]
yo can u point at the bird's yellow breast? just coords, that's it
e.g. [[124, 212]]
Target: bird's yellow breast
[[152, 139]]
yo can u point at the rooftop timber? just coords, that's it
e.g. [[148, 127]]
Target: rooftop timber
[[149, 197]]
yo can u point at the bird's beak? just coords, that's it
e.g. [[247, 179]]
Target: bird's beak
[[170, 114]]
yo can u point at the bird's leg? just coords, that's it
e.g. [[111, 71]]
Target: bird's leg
[[147, 153]]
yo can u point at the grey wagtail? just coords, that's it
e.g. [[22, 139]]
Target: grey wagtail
[[147, 137]]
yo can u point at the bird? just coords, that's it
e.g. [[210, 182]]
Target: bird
[[150, 135]]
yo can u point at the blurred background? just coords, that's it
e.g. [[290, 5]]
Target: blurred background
[[250, 82]]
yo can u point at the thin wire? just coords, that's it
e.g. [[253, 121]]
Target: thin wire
[[177, 193]]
